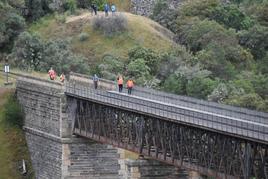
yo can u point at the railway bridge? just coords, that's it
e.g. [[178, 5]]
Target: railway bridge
[[214, 139]]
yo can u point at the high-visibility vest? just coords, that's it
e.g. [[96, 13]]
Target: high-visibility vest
[[120, 81], [130, 84]]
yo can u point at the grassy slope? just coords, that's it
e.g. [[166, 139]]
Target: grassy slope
[[13, 146], [141, 31]]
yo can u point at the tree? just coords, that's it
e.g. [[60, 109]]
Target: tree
[[111, 67], [151, 58], [27, 52], [57, 54], [200, 87], [175, 84], [256, 39], [11, 25], [231, 17]]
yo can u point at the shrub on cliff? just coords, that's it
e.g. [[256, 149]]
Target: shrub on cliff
[[13, 112]]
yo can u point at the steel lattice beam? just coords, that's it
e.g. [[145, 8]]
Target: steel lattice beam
[[193, 148]]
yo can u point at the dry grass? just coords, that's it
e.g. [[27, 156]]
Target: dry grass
[[13, 146], [141, 31]]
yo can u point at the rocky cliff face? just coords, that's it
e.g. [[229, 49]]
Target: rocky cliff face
[[145, 7]]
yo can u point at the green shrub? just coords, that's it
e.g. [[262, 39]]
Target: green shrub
[[57, 54], [110, 25], [71, 6], [110, 67], [27, 52], [175, 84], [13, 112], [251, 101], [31, 53], [200, 87], [138, 68], [256, 39], [231, 17], [60, 18], [152, 59], [160, 6], [83, 36]]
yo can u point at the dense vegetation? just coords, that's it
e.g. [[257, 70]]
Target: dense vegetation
[[229, 41], [13, 148], [221, 52]]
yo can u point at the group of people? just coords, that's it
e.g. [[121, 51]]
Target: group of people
[[120, 82], [53, 75], [107, 8]]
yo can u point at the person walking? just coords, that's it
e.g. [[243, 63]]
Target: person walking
[[106, 9], [113, 9], [95, 81], [52, 74], [94, 9], [62, 78], [120, 83], [130, 85]]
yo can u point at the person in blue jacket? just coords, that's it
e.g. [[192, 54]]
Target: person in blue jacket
[[106, 9], [113, 9]]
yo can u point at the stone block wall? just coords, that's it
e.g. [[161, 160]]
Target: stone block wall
[[41, 103]]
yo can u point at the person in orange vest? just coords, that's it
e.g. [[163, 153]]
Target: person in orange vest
[[52, 74], [130, 85], [62, 78], [120, 83]]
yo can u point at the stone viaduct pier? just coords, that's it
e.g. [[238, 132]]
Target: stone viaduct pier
[[213, 139]]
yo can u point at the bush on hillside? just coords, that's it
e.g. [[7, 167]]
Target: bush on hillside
[[71, 6], [256, 39], [200, 8], [57, 54], [11, 25], [231, 16], [171, 61], [111, 67], [152, 59], [200, 87], [175, 84], [31, 53], [13, 112], [251, 101], [37, 9], [160, 6], [110, 25], [83, 36], [27, 52], [60, 18]]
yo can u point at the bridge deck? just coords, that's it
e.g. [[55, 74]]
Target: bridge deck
[[255, 128]]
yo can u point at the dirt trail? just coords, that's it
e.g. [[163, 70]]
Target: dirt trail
[[83, 16]]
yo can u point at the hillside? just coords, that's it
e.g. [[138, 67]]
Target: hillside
[[141, 31]]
